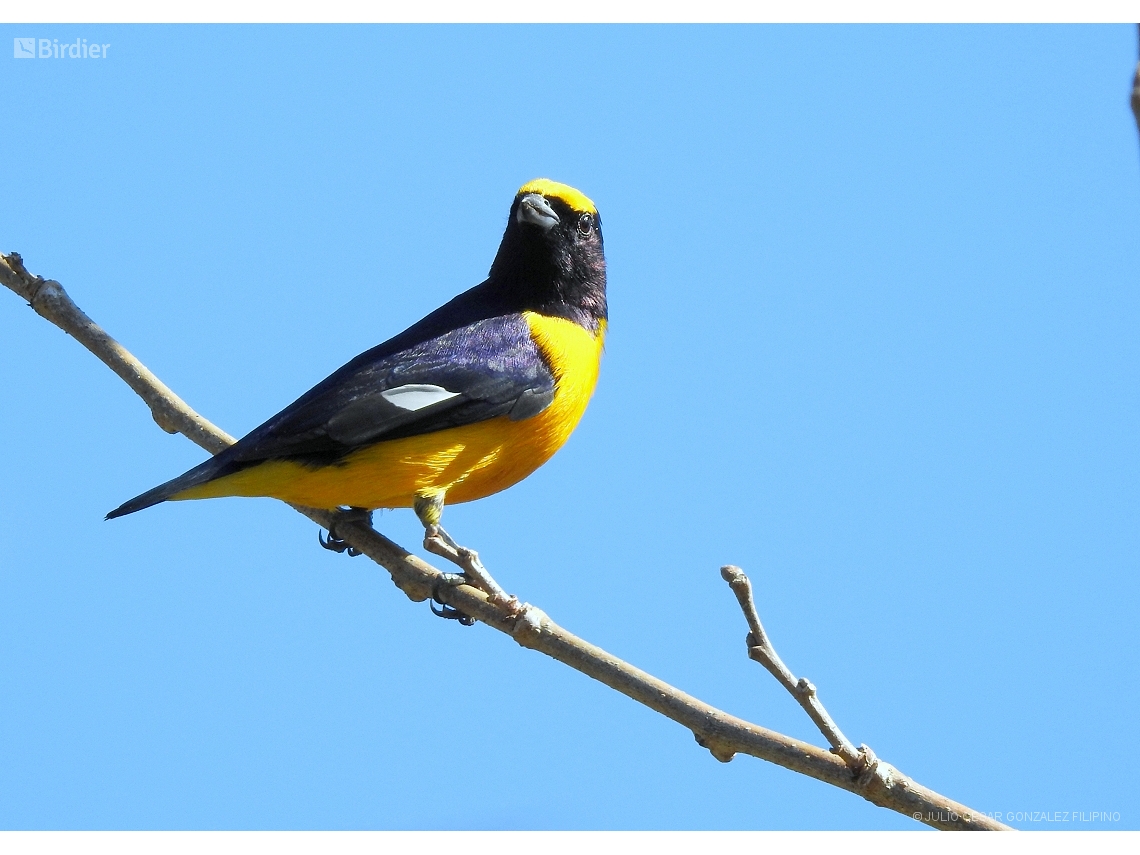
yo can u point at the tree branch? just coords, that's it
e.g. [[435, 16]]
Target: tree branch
[[722, 734]]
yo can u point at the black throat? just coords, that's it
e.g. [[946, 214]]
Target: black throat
[[554, 272]]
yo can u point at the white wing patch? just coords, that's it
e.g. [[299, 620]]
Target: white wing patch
[[416, 396]]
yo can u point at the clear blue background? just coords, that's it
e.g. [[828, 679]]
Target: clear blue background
[[874, 338]]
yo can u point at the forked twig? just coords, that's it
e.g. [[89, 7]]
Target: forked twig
[[760, 649], [862, 760]]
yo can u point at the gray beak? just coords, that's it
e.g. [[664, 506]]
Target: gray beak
[[535, 210]]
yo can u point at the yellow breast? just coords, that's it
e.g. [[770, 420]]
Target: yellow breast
[[462, 463]]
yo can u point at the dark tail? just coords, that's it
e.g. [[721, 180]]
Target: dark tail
[[200, 474]]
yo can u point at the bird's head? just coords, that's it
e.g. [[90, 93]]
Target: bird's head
[[552, 250]]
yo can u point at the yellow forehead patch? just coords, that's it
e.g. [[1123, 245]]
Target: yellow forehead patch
[[553, 190]]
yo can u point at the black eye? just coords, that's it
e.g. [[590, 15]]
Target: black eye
[[585, 225]]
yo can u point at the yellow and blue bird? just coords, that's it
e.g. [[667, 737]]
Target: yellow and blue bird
[[466, 402]]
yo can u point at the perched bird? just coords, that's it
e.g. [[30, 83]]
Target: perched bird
[[462, 404]]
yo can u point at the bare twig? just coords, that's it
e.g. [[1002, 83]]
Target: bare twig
[[761, 650], [723, 734], [171, 413], [473, 569]]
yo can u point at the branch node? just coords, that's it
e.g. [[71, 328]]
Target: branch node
[[164, 421], [716, 747], [47, 291], [529, 623], [415, 591], [875, 778]]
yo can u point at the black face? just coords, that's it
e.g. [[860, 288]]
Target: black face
[[558, 268], [577, 236]]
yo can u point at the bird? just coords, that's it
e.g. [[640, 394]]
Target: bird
[[464, 403]]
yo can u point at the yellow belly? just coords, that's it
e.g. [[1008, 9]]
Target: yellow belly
[[458, 464]]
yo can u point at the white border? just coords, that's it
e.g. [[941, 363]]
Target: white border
[[557, 843], [568, 11]]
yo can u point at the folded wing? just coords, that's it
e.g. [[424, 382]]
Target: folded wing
[[486, 369]]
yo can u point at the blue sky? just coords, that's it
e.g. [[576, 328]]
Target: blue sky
[[873, 338]]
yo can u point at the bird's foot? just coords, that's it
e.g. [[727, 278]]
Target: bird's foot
[[439, 542], [445, 611], [347, 515]]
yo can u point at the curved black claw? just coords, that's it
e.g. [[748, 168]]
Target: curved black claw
[[333, 541], [450, 613], [335, 544]]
